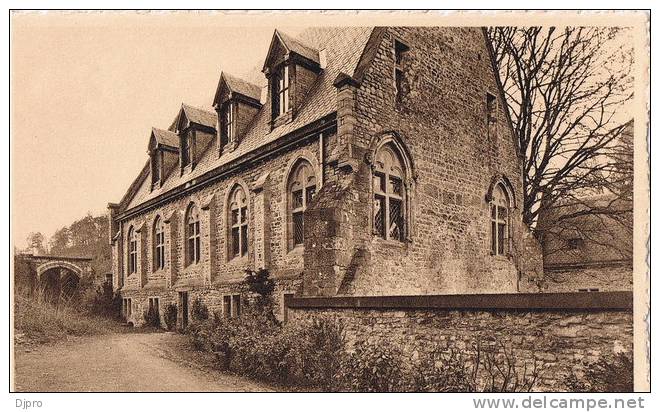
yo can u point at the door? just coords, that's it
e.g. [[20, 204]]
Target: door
[[183, 309]]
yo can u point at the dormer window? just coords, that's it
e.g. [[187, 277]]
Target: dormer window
[[228, 125], [156, 169], [280, 84], [187, 143]]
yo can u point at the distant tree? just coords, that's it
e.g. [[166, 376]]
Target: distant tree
[[564, 88], [35, 242], [60, 241]]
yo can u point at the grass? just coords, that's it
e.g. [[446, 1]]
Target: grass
[[38, 321]]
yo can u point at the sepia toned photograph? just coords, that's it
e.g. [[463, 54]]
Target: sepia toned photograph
[[234, 201]]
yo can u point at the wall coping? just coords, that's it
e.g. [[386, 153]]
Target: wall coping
[[569, 301]]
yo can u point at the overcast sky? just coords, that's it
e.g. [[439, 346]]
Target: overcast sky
[[86, 92]]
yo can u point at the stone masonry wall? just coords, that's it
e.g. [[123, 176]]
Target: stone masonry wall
[[561, 341], [605, 279], [455, 156]]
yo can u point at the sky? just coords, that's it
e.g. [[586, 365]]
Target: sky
[[86, 92]]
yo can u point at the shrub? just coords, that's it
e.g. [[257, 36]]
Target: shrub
[[105, 302], [152, 317], [199, 311], [445, 371], [262, 285], [170, 316], [605, 375], [370, 368]]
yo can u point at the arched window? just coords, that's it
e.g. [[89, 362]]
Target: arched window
[[301, 189], [194, 246], [389, 215], [499, 221], [132, 251], [159, 244], [238, 223]]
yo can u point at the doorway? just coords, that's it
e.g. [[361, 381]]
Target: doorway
[[183, 309]]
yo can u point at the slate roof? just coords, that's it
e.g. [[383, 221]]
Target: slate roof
[[343, 47], [165, 137], [240, 86], [296, 46]]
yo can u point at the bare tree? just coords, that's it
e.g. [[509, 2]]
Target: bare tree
[[564, 89]]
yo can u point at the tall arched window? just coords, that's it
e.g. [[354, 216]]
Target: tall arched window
[[159, 244], [499, 221], [132, 250], [238, 221], [301, 189], [389, 189], [194, 246]]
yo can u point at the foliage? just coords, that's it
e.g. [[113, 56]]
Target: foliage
[[262, 285], [565, 89], [604, 376], [199, 311], [170, 316], [106, 302], [38, 320], [152, 317], [35, 243], [371, 368]]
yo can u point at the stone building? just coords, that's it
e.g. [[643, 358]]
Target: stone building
[[372, 162]]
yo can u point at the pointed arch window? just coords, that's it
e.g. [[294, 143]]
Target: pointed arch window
[[238, 221], [499, 221], [193, 236], [301, 190], [159, 244], [389, 201], [132, 251]]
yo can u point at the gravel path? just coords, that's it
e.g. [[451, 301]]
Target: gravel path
[[122, 362]]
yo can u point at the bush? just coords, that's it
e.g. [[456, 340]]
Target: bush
[[106, 302], [262, 285], [152, 317], [41, 321], [199, 311], [371, 368], [605, 375], [170, 316]]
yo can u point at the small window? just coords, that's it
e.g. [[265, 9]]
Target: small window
[[228, 125], [187, 148], [238, 222], [499, 220], [226, 306], [280, 91], [400, 50], [285, 310], [193, 235], [156, 169], [132, 251], [575, 243], [159, 244], [491, 108], [154, 306]]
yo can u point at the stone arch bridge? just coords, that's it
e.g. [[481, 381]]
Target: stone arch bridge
[[57, 277]]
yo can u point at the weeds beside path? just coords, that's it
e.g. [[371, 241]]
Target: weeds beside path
[[132, 362]]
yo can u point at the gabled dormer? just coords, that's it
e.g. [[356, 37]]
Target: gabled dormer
[[291, 68], [195, 128], [236, 103], [163, 155]]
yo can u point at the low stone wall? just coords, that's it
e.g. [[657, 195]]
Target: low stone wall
[[563, 331]]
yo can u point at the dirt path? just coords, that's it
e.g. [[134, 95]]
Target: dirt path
[[133, 362]]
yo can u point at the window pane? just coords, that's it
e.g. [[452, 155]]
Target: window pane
[[198, 249], [500, 238], [234, 217], [244, 240], [236, 303], [197, 228], [226, 306], [493, 237], [244, 214], [309, 193], [297, 199], [379, 214], [396, 219], [396, 186], [191, 250], [501, 213], [493, 212], [234, 241], [298, 223], [379, 182]]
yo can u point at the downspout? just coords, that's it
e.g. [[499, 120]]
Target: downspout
[[321, 159]]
